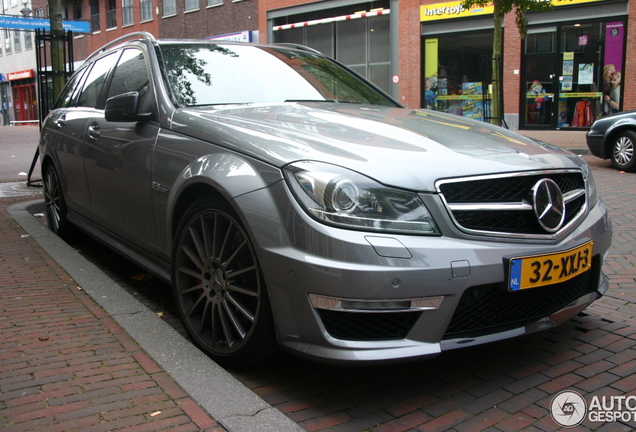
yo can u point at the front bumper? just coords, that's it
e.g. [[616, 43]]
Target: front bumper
[[595, 144], [303, 260]]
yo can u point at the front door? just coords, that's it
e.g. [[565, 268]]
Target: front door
[[118, 158], [540, 80]]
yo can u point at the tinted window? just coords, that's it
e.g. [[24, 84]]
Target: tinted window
[[95, 79], [130, 75]]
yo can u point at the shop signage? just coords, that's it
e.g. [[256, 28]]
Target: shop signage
[[12, 76], [244, 36], [454, 9], [22, 23]]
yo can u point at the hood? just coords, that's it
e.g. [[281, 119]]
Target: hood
[[398, 147]]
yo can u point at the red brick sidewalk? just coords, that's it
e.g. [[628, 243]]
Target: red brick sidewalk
[[65, 364]]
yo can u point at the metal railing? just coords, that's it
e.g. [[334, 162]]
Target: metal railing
[[111, 18], [95, 23]]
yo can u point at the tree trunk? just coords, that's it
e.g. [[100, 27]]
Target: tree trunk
[[57, 47], [496, 111]]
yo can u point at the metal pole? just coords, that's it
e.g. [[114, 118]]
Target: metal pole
[[395, 47]]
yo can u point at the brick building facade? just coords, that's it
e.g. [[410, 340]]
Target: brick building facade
[[569, 82], [388, 41]]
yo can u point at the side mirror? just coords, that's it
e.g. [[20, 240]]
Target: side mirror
[[124, 108]]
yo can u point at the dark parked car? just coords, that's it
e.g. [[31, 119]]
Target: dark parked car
[[293, 204], [614, 137]]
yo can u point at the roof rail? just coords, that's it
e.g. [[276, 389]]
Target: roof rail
[[135, 35], [298, 46]]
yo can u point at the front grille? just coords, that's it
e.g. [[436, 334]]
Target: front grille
[[368, 326], [480, 196], [487, 309]]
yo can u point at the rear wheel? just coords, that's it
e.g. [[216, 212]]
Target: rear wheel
[[218, 286], [623, 147], [56, 210]]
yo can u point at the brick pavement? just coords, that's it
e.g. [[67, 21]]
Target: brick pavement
[[505, 386], [65, 364]]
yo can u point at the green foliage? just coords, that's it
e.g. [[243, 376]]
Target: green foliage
[[182, 65], [520, 7]]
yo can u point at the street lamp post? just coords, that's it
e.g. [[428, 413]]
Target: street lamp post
[[26, 11]]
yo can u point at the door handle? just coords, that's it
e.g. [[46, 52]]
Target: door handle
[[93, 131], [60, 121]]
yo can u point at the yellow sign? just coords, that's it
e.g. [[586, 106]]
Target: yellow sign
[[581, 95], [454, 9], [461, 97], [430, 52]]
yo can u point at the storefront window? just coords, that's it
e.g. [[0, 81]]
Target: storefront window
[[572, 74], [457, 73]]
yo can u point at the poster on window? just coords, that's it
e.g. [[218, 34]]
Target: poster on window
[[430, 73], [612, 68], [586, 73]]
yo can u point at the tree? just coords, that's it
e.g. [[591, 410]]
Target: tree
[[501, 9], [57, 47]]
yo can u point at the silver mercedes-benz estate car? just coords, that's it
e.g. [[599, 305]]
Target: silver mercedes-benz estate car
[[292, 204]]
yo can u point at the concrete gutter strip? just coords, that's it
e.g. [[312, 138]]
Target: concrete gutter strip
[[225, 398]]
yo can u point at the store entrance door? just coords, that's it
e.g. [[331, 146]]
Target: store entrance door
[[541, 80], [24, 104]]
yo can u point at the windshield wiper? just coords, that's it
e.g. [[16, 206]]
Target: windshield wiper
[[311, 100], [225, 103]]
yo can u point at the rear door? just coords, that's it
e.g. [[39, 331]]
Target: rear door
[[66, 126]]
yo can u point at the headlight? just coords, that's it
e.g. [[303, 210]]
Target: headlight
[[340, 197], [592, 197]]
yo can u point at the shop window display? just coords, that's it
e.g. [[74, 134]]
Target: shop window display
[[576, 78], [457, 74]]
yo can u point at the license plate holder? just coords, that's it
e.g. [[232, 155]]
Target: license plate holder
[[527, 272]]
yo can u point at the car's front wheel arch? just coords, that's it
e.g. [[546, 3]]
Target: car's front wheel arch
[[621, 147], [218, 285]]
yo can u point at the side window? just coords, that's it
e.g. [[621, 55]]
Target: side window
[[93, 84], [131, 75], [72, 88]]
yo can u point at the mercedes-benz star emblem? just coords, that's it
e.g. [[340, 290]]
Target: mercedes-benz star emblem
[[547, 201]]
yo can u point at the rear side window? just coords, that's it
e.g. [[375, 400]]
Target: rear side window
[[96, 77]]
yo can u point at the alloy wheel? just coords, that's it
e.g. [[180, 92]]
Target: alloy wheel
[[623, 150], [218, 287], [52, 200]]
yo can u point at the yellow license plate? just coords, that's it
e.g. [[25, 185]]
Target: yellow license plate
[[548, 269]]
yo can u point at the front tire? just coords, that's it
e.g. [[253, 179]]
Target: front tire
[[218, 286], [623, 147]]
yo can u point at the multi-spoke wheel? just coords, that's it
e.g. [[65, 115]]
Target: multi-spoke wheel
[[54, 203], [624, 145], [218, 286]]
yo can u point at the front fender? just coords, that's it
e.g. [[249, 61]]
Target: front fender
[[184, 168], [614, 129]]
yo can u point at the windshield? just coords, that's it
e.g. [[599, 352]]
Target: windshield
[[211, 74]]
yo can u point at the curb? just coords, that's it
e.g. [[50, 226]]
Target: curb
[[226, 399]]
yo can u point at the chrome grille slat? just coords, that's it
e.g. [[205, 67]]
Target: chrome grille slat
[[498, 205]]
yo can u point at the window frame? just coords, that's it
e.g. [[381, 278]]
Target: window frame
[[127, 13]]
